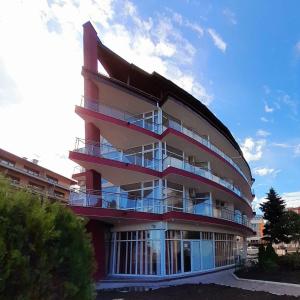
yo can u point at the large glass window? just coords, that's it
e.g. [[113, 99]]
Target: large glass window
[[198, 203], [187, 263], [207, 247], [142, 196], [189, 251], [173, 252], [146, 156], [169, 121], [137, 252], [173, 195], [147, 120], [224, 249]]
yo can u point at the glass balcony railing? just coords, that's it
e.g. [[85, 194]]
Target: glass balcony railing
[[137, 120], [157, 128], [197, 137], [110, 152], [122, 201], [184, 165]]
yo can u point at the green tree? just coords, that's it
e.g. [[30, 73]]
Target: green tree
[[273, 209], [291, 225], [45, 252]]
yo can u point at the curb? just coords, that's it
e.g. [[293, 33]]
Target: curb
[[264, 281]]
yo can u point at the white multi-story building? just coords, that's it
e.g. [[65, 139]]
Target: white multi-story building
[[164, 184]]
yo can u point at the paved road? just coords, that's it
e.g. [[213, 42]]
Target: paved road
[[222, 278]]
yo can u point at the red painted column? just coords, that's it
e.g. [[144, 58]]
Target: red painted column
[[97, 231], [90, 62], [93, 182], [90, 50], [90, 59], [92, 133]]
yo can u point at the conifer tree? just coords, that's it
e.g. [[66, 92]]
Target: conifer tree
[[274, 210]]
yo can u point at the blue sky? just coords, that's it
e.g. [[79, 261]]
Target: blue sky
[[241, 58]]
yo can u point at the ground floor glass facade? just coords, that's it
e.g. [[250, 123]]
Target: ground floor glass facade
[[169, 252]]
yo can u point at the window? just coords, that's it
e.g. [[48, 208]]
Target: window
[[52, 179], [31, 171], [141, 196], [173, 195], [169, 121], [224, 249], [7, 162], [59, 194], [143, 155], [137, 252], [199, 203], [14, 179], [36, 186], [173, 152]]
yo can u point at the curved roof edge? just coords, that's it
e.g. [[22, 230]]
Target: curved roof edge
[[159, 87]]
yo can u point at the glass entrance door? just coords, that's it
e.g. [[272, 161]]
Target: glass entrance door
[[187, 256], [196, 255], [192, 255]]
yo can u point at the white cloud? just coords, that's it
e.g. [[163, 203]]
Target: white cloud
[[179, 19], [294, 147], [297, 48], [292, 199], [297, 150], [263, 119], [9, 92], [256, 204], [253, 149], [262, 133], [290, 102], [162, 49], [268, 109], [266, 171], [281, 145], [230, 15], [165, 49], [267, 90], [41, 59], [218, 41], [195, 27]]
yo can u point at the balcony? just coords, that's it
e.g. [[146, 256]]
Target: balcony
[[109, 152], [158, 128], [38, 191], [184, 165], [137, 120], [192, 134], [121, 201], [33, 175]]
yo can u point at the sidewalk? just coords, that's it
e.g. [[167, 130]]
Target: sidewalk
[[222, 278], [227, 278]]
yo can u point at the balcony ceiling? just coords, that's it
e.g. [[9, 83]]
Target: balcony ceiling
[[119, 133], [118, 173]]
